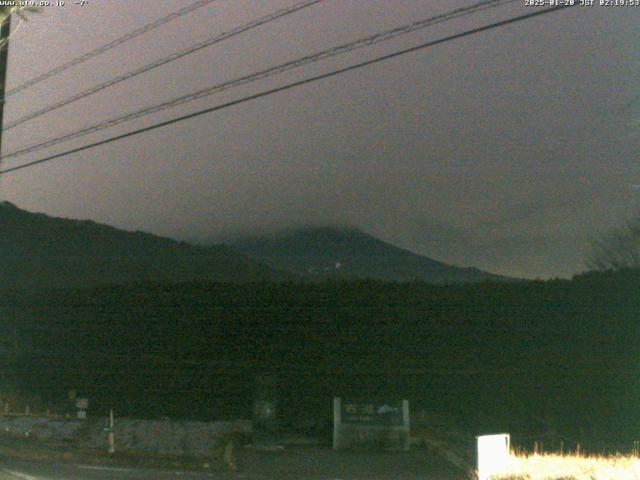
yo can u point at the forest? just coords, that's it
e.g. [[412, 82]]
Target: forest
[[528, 357]]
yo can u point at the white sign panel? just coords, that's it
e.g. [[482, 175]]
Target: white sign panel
[[493, 455]]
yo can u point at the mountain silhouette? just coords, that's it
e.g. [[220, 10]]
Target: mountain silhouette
[[351, 253], [42, 252]]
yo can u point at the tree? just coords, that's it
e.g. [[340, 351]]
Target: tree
[[617, 250], [7, 11], [21, 11]]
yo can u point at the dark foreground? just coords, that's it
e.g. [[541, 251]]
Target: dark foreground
[[303, 463]]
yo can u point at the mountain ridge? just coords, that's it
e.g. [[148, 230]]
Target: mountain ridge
[[348, 252], [38, 251]]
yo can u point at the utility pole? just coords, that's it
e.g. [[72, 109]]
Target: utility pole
[[4, 57]]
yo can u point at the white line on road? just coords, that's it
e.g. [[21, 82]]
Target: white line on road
[[20, 475], [123, 469], [107, 469]]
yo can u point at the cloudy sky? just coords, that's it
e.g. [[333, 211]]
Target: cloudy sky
[[509, 150]]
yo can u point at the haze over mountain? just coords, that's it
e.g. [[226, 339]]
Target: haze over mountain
[[38, 251], [350, 253]]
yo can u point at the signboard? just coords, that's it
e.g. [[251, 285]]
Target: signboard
[[370, 424], [372, 413], [493, 455]]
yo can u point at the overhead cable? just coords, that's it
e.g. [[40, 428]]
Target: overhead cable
[[275, 70], [104, 48], [288, 86]]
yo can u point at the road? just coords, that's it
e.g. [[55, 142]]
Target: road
[[23, 470], [291, 464]]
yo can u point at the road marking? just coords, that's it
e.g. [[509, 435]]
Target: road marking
[[123, 469], [192, 474], [22, 476], [108, 469]]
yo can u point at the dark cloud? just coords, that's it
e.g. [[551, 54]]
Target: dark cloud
[[507, 150]]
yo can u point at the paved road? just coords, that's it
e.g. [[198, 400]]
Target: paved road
[[22, 470], [291, 464]]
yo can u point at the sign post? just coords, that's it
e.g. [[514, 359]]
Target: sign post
[[111, 435], [372, 424], [337, 422]]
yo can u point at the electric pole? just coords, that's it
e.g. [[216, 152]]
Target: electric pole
[[4, 57]]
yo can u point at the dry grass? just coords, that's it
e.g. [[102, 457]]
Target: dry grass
[[571, 467]]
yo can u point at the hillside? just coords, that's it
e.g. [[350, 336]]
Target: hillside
[[38, 251], [351, 253]]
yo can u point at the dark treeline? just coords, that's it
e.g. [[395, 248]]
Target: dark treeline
[[522, 357]]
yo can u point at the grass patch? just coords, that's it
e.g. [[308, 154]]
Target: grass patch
[[571, 467]]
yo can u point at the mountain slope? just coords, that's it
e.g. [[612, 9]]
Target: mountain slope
[[38, 251], [350, 253]]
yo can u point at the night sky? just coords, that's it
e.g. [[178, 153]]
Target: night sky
[[509, 150]]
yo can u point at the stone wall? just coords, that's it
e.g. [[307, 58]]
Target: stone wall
[[198, 439]]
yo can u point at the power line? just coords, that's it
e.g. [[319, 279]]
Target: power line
[[324, 54], [109, 46], [289, 86], [163, 61]]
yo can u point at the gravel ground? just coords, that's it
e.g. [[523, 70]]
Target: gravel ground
[[324, 463]]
